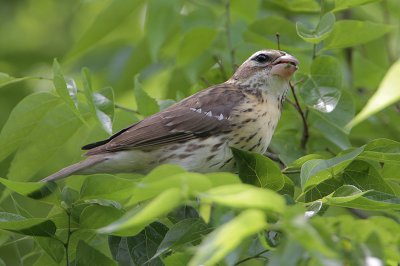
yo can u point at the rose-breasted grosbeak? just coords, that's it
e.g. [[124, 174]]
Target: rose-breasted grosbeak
[[197, 132]]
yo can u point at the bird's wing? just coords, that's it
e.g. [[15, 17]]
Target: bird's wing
[[200, 115]]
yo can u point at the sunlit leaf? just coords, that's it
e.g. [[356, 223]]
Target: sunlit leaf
[[146, 105], [344, 4], [348, 33], [215, 247], [387, 94], [87, 255]]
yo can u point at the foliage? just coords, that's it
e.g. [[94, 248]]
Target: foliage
[[331, 196]]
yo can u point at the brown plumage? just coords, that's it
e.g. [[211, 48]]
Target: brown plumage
[[197, 132]]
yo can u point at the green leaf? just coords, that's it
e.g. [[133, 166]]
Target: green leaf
[[56, 127], [97, 216], [321, 89], [54, 248], [318, 34], [101, 106], [382, 150], [105, 22], [134, 221], [315, 171], [387, 94], [344, 4], [6, 79], [184, 232], [27, 226], [146, 105], [139, 248], [195, 42], [298, 5], [215, 247], [69, 96], [31, 189], [107, 187], [347, 33], [188, 183], [244, 196], [259, 170], [87, 255], [220, 179], [365, 177], [23, 120], [352, 197], [163, 171]]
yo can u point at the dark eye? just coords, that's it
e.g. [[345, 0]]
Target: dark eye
[[261, 58]]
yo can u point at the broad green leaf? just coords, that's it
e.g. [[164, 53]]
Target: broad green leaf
[[101, 106], [259, 170], [351, 197], [188, 183], [107, 187], [27, 226], [69, 196], [56, 127], [220, 179], [184, 232], [387, 94], [62, 88], [348, 33], [146, 105], [87, 255], [244, 196], [140, 248], [194, 43], [134, 221], [313, 209], [315, 171], [318, 34], [23, 120], [177, 258], [97, 216], [321, 90], [163, 171], [302, 160], [54, 248], [105, 22], [344, 4], [215, 247], [365, 177], [33, 190]]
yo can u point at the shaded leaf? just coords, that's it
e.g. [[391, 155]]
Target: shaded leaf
[[344, 4], [318, 34], [259, 170], [97, 216], [87, 255], [146, 105], [26, 226]]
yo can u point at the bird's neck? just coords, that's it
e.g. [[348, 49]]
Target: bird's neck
[[270, 87]]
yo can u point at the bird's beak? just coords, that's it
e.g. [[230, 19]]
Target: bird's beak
[[284, 66]]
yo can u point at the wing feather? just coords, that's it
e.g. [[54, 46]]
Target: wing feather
[[200, 115]]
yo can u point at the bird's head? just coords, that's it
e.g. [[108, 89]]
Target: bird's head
[[264, 66]]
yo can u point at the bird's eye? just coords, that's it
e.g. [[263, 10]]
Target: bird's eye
[[261, 58]]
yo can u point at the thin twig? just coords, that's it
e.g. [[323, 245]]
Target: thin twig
[[125, 108], [305, 136], [208, 84], [278, 40], [228, 34], [66, 244], [221, 67], [258, 255]]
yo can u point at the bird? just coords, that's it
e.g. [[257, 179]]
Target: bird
[[198, 132]]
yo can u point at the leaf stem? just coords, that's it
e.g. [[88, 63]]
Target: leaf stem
[[69, 232], [305, 135], [258, 255]]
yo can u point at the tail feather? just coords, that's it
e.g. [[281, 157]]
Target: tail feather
[[74, 168]]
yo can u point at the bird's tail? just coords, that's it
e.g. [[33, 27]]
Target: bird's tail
[[75, 168]]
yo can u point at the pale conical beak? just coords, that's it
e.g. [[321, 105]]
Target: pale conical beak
[[284, 66]]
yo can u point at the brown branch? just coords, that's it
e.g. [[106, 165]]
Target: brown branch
[[305, 135], [278, 40], [258, 255], [221, 68]]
